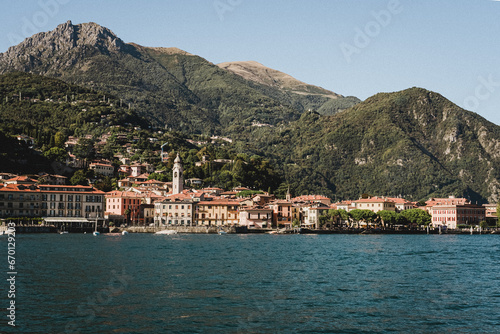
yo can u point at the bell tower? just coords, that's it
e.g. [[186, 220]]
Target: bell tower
[[177, 178]]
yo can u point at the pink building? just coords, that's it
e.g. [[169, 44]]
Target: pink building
[[118, 202], [458, 214]]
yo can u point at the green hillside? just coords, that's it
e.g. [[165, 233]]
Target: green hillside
[[40, 107], [413, 143]]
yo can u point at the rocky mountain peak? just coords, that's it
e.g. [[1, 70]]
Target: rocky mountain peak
[[65, 37]]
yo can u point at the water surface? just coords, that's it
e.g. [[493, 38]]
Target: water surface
[[143, 283]]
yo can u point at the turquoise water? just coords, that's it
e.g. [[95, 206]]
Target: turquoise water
[[142, 283]]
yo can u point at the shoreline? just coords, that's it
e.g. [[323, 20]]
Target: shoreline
[[241, 230]]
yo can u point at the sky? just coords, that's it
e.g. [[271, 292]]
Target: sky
[[352, 47]]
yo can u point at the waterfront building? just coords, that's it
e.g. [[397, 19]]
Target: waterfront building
[[444, 201], [312, 213], [19, 200], [375, 204], [178, 211], [452, 215], [401, 204], [282, 213], [256, 217], [123, 206], [491, 213], [217, 212]]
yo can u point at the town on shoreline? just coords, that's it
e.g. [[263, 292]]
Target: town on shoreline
[[150, 205]]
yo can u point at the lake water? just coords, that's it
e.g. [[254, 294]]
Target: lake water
[[143, 283]]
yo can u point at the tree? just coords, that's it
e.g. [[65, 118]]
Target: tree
[[483, 224], [324, 219], [81, 177], [127, 214], [59, 139], [84, 149], [417, 217], [55, 154], [105, 184], [388, 217], [366, 216], [498, 214], [158, 177]]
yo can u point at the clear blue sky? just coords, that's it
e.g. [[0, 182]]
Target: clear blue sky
[[352, 47]]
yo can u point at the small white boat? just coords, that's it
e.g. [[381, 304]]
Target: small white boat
[[63, 232], [8, 231], [124, 232], [95, 233], [222, 232], [166, 232]]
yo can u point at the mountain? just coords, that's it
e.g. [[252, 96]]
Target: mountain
[[173, 88], [254, 71], [413, 143], [305, 96]]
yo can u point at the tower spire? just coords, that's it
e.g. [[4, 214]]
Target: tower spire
[[177, 179]]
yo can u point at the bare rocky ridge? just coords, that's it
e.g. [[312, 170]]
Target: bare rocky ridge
[[46, 47], [256, 72]]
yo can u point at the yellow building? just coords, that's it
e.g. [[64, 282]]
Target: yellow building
[[217, 212], [375, 204]]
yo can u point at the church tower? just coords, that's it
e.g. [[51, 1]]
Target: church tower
[[177, 179]]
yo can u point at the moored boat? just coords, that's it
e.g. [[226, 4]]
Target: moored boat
[[166, 232]]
